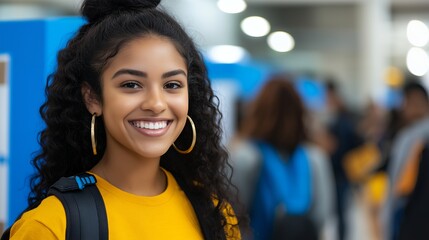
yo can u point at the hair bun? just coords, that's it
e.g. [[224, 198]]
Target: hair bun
[[94, 10]]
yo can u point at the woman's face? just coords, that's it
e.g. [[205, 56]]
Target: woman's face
[[145, 97]]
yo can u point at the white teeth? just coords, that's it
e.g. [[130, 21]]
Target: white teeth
[[150, 125]]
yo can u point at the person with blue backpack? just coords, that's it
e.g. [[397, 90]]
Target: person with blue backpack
[[284, 181], [132, 144]]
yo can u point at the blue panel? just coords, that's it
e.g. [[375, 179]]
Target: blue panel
[[58, 32], [250, 76], [24, 43], [30, 45], [312, 92]]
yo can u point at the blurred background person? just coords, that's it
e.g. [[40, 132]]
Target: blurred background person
[[284, 181], [407, 153], [415, 103], [342, 127], [366, 182]]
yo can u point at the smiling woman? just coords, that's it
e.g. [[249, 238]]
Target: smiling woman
[[130, 103]]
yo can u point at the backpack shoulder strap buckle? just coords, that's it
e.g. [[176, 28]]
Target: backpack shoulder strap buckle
[[78, 182]]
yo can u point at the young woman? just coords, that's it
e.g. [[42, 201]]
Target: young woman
[[130, 102]]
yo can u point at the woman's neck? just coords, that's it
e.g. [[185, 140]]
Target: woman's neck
[[141, 177]]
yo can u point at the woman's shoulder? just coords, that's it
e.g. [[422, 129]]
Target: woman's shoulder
[[46, 221]]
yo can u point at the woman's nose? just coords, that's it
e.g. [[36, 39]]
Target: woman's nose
[[154, 100]]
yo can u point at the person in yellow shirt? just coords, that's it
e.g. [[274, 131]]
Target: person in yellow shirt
[[131, 103]]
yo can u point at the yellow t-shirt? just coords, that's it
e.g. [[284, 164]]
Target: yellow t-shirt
[[166, 216]]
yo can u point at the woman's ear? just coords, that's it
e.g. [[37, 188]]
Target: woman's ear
[[91, 100]]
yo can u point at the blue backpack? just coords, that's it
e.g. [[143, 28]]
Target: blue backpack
[[283, 196]]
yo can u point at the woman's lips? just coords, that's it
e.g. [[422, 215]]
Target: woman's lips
[[151, 128]]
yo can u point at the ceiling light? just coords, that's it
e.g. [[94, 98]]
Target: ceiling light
[[417, 61], [255, 26], [231, 6], [226, 54], [281, 41], [417, 33]]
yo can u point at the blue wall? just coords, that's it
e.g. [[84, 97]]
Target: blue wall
[[32, 46], [249, 76]]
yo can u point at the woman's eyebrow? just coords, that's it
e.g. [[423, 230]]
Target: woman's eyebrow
[[173, 73], [144, 74], [129, 72]]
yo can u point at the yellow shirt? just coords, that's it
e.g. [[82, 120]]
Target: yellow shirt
[[166, 216]]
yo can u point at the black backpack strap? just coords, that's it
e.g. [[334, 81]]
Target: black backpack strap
[[84, 207]]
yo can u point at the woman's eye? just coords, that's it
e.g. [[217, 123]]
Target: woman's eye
[[172, 85], [130, 85]]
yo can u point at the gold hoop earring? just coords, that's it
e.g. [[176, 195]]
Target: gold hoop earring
[[194, 139], [93, 140]]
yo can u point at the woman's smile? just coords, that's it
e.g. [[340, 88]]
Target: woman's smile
[[152, 128]]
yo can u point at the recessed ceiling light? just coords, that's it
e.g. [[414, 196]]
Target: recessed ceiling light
[[281, 41], [255, 26], [231, 6], [417, 33], [417, 61], [226, 54]]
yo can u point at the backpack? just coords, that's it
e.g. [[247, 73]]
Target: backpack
[[83, 205], [283, 196], [85, 210]]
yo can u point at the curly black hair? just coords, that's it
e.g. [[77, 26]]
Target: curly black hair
[[65, 142]]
